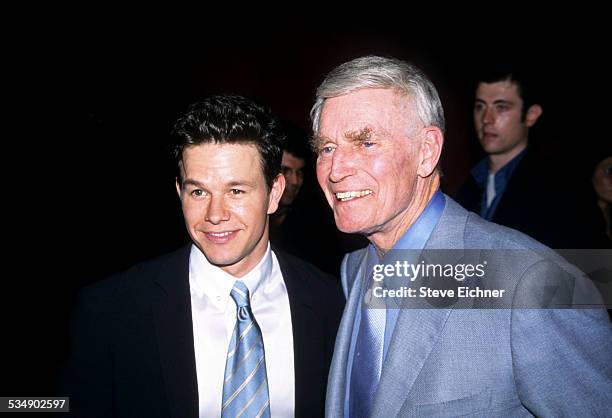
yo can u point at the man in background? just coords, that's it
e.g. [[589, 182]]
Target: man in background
[[293, 163], [516, 184]]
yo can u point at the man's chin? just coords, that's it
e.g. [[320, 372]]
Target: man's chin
[[349, 227], [220, 260]]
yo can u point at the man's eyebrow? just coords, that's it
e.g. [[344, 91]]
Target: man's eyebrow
[[497, 101], [192, 182], [366, 134], [503, 101], [234, 183], [361, 135], [317, 141]]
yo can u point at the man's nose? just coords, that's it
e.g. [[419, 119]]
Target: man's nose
[[488, 116], [291, 177], [217, 212], [342, 166]]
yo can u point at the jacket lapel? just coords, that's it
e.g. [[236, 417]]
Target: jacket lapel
[[172, 315], [352, 279], [415, 335], [300, 303], [302, 318], [419, 326]]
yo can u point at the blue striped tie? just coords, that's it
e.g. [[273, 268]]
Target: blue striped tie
[[245, 387]]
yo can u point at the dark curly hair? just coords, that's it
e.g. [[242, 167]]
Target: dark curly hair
[[226, 119]]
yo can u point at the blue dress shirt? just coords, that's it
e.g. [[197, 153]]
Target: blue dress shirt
[[413, 239], [480, 172]]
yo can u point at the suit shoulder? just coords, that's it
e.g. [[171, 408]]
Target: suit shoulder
[[317, 280], [530, 252], [297, 264], [134, 278], [497, 236], [352, 259], [356, 254]]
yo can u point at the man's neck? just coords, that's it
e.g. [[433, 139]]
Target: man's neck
[[385, 240], [603, 205], [497, 161]]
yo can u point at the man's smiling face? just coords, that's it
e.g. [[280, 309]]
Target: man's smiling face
[[368, 154]]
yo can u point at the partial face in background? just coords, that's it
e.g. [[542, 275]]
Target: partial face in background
[[602, 180], [368, 157], [498, 120], [226, 204], [292, 168]]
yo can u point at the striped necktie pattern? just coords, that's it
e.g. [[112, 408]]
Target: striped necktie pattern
[[245, 387]]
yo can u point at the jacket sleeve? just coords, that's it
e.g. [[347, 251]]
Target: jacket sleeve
[[86, 376], [349, 269], [561, 357]]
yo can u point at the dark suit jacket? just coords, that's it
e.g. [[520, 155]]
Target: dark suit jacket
[[544, 203], [132, 352]]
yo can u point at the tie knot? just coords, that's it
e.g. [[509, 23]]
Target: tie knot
[[240, 294]]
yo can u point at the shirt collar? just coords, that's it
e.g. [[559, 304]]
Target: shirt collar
[[211, 282], [506, 171], [419, 232], [480, 172]]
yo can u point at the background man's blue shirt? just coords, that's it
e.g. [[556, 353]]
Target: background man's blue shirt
[[480, 172]]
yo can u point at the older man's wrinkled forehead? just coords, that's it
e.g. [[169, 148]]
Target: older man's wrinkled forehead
[[370, 131]]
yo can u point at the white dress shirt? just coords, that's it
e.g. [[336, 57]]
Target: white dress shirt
[[490, 189], [214, 316]]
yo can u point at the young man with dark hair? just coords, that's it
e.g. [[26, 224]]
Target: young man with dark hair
[[224, 326], [516, 184]]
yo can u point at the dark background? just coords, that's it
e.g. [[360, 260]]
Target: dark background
[[89, 186]]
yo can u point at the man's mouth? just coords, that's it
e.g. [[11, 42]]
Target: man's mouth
[[220, 234], [489, 134], [220, 237], [354, 194]]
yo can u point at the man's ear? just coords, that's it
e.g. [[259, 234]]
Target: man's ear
[[278, 187], [532, 115], [430, 151], [178, 187]]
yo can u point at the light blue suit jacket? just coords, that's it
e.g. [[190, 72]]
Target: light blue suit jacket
[[483, 362]]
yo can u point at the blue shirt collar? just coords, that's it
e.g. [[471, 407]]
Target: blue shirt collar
[[480, 172], [419, 232]]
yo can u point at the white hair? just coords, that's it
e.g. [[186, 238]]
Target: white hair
[[373, 72]]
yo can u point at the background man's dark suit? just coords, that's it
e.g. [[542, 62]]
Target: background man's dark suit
[[545, 204], [132, 351]]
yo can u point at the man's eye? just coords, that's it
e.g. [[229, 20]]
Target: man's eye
[[236, 191], [368, 144], [197, 192], [327, 150]]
